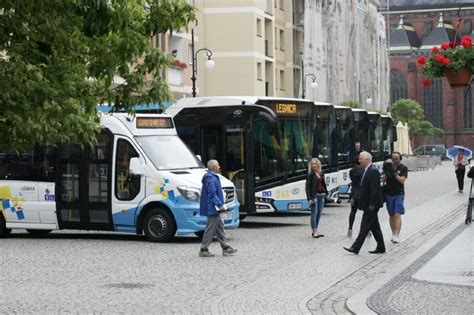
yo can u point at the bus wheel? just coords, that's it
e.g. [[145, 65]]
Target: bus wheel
[[4, 232], [159, 226], [39, 232]]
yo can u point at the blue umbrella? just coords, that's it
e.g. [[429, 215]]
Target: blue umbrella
[[451, 152]]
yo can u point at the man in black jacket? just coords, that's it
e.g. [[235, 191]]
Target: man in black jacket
[[369, 199]]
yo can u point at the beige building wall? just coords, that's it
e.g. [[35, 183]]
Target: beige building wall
[[252, 45]]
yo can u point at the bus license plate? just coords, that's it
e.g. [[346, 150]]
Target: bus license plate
[[227, 216]]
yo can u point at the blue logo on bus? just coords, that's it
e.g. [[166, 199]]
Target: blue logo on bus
[[267, 193]]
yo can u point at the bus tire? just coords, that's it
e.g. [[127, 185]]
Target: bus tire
[[39, 233], [4, 232], [159, 225]]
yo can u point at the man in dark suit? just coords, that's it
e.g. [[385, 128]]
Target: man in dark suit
[[369, 199]]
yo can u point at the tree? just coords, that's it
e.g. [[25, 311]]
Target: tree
[[61, 59], [411, 112]]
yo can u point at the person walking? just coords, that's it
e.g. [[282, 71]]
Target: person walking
[[394, 179], [211, 205], [460, 163], [355, 174], [369, 199], [316, 191]]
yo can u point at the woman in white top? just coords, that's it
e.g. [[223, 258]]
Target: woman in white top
[[460, 163]]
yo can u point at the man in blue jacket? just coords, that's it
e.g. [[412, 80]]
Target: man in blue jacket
[[211, 205]]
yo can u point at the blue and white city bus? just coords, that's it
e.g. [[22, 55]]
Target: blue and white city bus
[[264, 145], [139, 177], [345, 146]]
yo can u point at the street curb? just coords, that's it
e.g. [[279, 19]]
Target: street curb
[[357, 303]]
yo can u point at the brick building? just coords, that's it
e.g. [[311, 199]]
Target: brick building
[[414, 31]]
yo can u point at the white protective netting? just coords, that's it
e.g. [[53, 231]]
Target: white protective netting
[[345, 47]]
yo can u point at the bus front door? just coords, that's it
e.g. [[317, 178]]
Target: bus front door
[[226, 143], [83, 189]]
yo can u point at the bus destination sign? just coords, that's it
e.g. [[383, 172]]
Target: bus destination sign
[[286, 109], [154, 122]]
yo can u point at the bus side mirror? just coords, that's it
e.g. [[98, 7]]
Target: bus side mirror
[[135, 167]]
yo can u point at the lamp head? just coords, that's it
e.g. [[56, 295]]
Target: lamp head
[[314, 84], [368, 101], [209, 64]]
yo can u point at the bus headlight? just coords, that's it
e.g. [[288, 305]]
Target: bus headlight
[[189, 193]]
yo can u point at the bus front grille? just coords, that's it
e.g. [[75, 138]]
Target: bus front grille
[[229, 194]]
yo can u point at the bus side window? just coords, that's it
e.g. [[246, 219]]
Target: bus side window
[[17, 166], [45, 159], [127, 186]]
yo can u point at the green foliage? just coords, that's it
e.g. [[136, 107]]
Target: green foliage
[[61, 58], [351, 104], [411, 112]]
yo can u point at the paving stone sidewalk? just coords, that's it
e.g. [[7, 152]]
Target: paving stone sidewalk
[[333, 300]]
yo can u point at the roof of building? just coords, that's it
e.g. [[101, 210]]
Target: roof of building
[[444, 32], [404, 40]]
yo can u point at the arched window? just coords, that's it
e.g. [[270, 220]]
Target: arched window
[[398, 86], [433, 102]]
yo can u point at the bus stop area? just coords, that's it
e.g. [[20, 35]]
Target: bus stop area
[[279, 268]]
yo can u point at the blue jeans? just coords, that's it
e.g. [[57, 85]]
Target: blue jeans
[[316, 210]]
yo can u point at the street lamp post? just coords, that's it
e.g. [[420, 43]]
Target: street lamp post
[[303, 80], [368, 100], [209, 62], [314, 84]]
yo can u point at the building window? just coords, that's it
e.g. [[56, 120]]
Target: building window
[[282, 40], [282, 80], [427, 28], [276, 38], [259, 27], [259, 71], [469, 110], [466, 27], [398, 86], [282, 5], [433, 102]]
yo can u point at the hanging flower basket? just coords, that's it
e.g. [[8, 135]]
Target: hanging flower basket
[[461, 79], [455, 62]]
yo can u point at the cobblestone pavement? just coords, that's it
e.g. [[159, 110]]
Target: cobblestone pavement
[[279, 268], [406, 295]]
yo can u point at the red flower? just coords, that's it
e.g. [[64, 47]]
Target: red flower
[[421, 61], [435, 50], [442, 59], [466, 42], [445, 46], [426, 82]]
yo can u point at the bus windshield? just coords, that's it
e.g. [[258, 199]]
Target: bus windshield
[[168, 152]]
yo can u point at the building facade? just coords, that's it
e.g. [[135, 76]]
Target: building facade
[[414, 31]]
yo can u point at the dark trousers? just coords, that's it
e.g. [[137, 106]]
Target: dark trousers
[[460, 172], [370, 222], [352, 216]]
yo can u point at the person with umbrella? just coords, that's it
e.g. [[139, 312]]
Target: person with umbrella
[[460, 161]]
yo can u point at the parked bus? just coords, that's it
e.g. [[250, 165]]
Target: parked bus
[[389, 131], [139, 177], [345, 146], [376, 139], [264, 145]]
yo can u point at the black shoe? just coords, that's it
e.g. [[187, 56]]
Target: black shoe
[[377, 251], [351, 250]]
